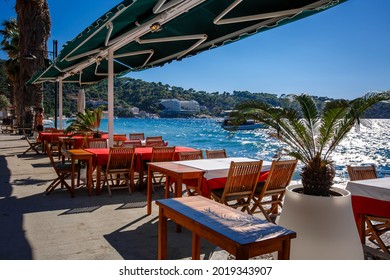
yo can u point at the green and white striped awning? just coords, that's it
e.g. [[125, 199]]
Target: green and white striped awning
[[149, 33]]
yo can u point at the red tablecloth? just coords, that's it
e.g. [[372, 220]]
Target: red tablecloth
[[219, 183], [80, 139], [370, 197], [142, 154], [49, 136]]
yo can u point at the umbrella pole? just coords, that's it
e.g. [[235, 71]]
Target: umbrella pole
[[60, 103], [110, 97]]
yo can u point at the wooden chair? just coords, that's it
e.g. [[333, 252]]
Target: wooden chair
[[376, 226], [135, 136], [154, 143], [154, 138], [132, 143], [161, 154], [66, 143], [362, 172], [119, 139], [119, 170], [216, 153], [96, 143], [63, 172], [192, 186], [33, 144], [240, 185], [55, 144], [271, 192]]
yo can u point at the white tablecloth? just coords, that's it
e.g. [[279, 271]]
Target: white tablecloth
[[373, 188], [219, 167]]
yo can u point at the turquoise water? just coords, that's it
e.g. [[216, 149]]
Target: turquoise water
[[201, 134], [370, 145]]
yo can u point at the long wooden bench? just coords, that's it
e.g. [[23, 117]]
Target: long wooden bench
[[240, 234]]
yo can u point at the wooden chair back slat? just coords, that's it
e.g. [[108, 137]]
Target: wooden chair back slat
[[280, 174], [160, 154], [120, 163], [120, 159], [154, 143], [362, 172], [191, 155], [132, 143], [240, 185], [119, 139], [96, 143], [273, 190], [135, 136], [216, 153], [242, 178], [154, 138]]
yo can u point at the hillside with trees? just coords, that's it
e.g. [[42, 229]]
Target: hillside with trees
[[146, 96]]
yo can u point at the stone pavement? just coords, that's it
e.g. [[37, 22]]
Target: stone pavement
[[57, 227]]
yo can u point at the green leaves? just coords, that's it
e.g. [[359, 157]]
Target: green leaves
[[310, 134], [89, 121]]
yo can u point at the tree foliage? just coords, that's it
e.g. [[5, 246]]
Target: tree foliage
[[311, 134]]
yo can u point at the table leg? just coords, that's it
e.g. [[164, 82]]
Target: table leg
[[284, 252], [179, 187], [98, 178], [178, 193], [162, 235], [141, 174], [89, 178], [195, 246], [72, 178], [362, 228], [149, 191]]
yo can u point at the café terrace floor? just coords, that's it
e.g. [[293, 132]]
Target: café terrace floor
[[57, 227], [36, 226]]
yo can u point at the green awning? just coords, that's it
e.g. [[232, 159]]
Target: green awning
[[150, 33]]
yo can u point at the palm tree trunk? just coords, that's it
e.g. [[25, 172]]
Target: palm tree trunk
[[34, 28]]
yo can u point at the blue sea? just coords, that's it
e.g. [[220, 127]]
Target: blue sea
[[368, 145]]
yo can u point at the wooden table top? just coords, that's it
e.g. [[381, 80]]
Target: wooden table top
[[232, 223]]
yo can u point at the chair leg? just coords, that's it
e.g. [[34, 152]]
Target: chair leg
[[52, 186], [265, 213], [376, 237]]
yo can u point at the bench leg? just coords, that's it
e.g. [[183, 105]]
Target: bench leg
[[162, 235], [195, 247], [284, 253]]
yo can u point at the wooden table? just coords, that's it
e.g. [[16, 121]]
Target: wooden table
[[82, 155], [172, 170], [369, 197], [238, 233], [65, 143], [141, 156], [47, 137], [217, 169]]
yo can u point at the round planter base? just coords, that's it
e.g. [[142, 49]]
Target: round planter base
[[325, 226]]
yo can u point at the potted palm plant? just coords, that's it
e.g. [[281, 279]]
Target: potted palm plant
[[87, 122], [320, 213]]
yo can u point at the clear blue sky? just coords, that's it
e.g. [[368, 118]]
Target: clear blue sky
[[342, 52]]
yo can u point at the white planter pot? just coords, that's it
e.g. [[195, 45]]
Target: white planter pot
[[325, 226]]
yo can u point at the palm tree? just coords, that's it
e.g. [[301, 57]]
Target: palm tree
[[86, 122], [312, 135], [4, 102], [10, 44], [33, 19]]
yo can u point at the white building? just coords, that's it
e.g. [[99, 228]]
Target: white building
[[174, 107]]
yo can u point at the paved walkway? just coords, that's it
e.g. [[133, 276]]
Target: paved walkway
[[57, 227]]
